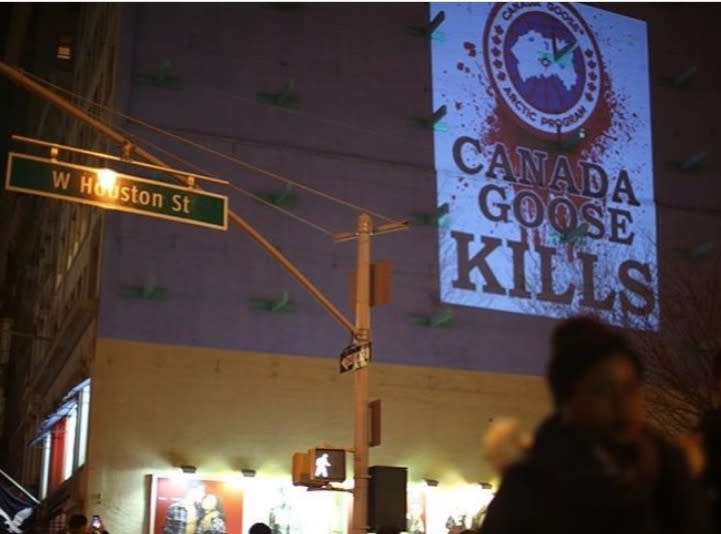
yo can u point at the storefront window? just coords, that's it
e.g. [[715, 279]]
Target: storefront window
[[83, 417], [287, 509], [57, 454], [70, 442], [63, 436], [45, 465]]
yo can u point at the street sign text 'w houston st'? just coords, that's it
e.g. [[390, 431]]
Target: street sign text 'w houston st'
[[76, 183]]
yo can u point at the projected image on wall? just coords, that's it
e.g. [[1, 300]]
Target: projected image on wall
[[543, 161]]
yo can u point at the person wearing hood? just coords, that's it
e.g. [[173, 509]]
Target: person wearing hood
[[595, 466]]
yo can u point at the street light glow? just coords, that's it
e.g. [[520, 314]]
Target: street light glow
[[107, 177]]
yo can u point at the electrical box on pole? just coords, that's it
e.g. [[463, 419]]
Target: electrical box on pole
[[380, 283], [374, 409]]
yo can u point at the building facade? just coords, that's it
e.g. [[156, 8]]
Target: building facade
[[51, 272], [192, 347]]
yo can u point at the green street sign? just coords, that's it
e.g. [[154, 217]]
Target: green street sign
[[88, 185]]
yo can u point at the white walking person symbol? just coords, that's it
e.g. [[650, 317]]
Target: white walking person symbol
[[321, 466]]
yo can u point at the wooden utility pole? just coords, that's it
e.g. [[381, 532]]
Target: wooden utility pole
[[360, 392]]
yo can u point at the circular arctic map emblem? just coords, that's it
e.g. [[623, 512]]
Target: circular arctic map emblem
[[544, 64]]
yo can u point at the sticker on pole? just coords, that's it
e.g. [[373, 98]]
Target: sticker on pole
[[355, 357]]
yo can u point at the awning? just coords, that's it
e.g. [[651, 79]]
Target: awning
[[70, 400]]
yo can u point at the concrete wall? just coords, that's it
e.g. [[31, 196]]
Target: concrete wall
[[156, 405], [360, 77], [349, 139]]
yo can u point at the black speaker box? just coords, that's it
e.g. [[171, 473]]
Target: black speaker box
[[387, 498]]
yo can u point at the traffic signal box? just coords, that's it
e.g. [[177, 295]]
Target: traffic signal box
[[318, 467], [301, 469]]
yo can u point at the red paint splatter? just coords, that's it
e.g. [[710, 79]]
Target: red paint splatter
[[611, 123], [470, 48]]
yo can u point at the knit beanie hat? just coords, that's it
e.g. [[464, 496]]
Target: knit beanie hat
[[577, 345]]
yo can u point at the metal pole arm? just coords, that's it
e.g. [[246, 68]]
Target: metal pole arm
[[21, 79]]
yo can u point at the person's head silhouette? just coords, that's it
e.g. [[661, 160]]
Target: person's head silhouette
[[260, 528], [77, 524]]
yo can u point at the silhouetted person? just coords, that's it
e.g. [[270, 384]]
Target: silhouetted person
[[260, 528], [595, 467], [77, 524]]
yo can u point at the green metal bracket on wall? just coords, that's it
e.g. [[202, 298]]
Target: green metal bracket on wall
[[577, 236], [279, 305], [284, 197], [161, 78], [430, 31], [146, 292], [566, 143], [696, 252], [433, 122], [441, 318], [682, 79], [692, 164], [700, 347], [438, 219], [287, 98]]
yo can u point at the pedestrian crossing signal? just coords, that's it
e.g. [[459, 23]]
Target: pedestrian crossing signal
[[318, 467], [327, 465], [301, 469]]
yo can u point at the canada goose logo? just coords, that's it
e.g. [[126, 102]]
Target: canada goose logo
[[544, 64]]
